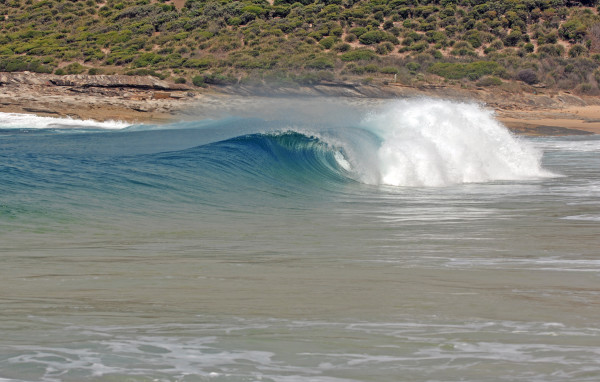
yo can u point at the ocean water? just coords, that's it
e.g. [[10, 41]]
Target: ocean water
[[409, 241]]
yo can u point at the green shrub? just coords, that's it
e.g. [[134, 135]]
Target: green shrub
[[528, 76], [218, 79], [413, 66], [573, 30], [371, 68], [497, 44], [342, 47], [254, 9], [74, 68], [320, 63], [23, 63], [94, 71], [473, 70], [357, 55], [489, 81], [554, 50], [147, 59], [513, 38], [199, 63], [384, 48], [234, 21], [350, 37], [436, 37], [198, 81], [420, 46], [145, 72], [180, 80], [6, 51], [327, 42], [372, 37], [577, 50], [389, 70], [474, 38], [358, 31]]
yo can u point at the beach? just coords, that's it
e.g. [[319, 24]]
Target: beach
[[149, 100]]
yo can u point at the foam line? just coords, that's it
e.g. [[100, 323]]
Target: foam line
[[30, 121]]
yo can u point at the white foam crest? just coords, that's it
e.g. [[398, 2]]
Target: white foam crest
[[31, 121], [428, 142]]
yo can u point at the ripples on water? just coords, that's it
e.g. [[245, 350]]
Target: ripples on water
[[249, 249]]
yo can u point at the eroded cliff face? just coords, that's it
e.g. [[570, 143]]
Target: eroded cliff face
[[149, 99], [88, 81]]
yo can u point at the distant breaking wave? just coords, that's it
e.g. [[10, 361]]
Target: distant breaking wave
[[414, 143], [30, 121]]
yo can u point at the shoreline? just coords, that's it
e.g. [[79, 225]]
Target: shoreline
[[149, 100]]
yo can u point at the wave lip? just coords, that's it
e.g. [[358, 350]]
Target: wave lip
[[30, 121], [439, 143], [288, 157]]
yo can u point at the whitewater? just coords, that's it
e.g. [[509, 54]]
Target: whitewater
[[413, 240]]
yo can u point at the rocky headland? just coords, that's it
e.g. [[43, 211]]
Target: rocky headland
[[139, 99]]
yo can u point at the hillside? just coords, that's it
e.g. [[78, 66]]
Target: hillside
[[512, 44]]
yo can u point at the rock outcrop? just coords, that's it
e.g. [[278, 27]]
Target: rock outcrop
[[87, 81]]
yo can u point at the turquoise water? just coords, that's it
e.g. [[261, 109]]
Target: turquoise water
[[419, 241]]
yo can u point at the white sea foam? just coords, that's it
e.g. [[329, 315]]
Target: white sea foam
[[210, 352], [430, 142], [30, 121], [587, 217]]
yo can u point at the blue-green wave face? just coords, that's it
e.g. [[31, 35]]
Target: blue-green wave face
[[76, 176], [81, 169], [287, 160]]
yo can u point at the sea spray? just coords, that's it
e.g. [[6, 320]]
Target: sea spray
[[428, 142]]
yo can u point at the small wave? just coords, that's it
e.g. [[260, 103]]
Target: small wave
[[30, 121]]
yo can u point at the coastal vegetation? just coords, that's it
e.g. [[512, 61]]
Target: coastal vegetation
[[467, 43]]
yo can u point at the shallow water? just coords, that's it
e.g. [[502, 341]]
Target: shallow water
[[249, 249]]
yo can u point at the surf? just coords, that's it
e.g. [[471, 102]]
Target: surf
[[440, 143], [403, 143]]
